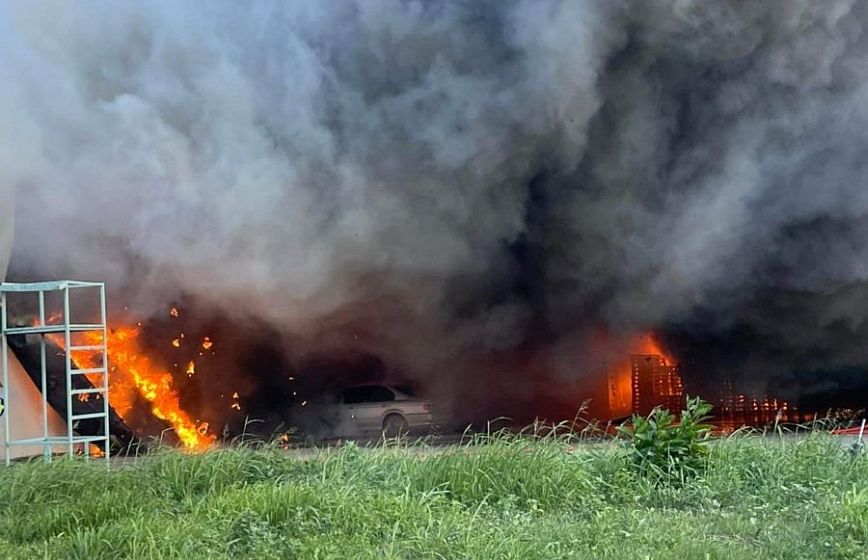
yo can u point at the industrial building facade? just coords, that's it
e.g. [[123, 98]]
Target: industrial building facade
[[656, 383]]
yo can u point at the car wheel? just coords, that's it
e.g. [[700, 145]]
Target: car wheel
[[395, 425]]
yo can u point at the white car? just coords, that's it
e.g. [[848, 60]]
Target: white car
[[364, 410]]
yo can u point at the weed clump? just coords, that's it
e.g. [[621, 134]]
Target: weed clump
[[667, 449]]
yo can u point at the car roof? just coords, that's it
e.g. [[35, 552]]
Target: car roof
[[366, 385], [398, 392]]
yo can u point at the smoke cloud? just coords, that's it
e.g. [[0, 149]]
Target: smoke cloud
[[434, 181], [7, 227]]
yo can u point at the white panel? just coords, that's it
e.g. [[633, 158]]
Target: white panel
[[24, 413]]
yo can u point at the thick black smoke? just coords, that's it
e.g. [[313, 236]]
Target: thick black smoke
[[435, 181]]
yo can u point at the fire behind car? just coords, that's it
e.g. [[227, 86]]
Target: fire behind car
[[364, 411]]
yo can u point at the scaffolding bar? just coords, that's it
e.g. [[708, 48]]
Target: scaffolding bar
[[87, 371], [54, 441], [54, 329], [43, 377], [92, 415], [4, 365], [53, 286], [91, 391]]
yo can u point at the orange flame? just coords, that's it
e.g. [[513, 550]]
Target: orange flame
[[648, 344], [134, 375], [620, 376]]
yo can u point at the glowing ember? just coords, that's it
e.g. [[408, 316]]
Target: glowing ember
[[176, 343], [134, 375], [191, 369], [174, 312], [207, 344]]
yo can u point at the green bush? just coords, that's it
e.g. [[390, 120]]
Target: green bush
[[664, 448]]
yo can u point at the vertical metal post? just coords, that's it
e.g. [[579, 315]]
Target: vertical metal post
[[66, 332], [105, 365], [5, 358], [43, 380]]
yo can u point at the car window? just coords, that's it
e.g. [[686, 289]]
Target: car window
[[367, 394], [406, 389]]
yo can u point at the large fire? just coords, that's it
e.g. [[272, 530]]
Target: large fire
[[133, 376], [647, 344], [620, 377]]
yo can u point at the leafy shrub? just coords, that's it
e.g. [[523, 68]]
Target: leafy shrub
[[660, 446]]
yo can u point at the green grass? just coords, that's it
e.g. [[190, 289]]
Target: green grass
[[510, 497]]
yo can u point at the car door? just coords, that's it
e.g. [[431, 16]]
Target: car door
[[367, 405], [342, 418], [325, 417]]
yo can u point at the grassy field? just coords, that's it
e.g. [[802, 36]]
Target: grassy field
[[508, 498]]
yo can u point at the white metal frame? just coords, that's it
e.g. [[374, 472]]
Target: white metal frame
[[66, 328]]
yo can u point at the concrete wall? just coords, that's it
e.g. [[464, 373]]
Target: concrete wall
[[24, 406]]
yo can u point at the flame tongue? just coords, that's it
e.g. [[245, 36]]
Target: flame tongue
[[133, 374]]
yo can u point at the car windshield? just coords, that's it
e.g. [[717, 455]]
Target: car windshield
[[367, 394]]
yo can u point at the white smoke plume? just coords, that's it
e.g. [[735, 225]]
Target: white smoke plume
[[443, 177]]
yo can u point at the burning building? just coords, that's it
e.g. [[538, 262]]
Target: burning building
[[738, 409], [655, 383]]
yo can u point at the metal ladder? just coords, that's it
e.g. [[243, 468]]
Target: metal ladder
[[66, 328]]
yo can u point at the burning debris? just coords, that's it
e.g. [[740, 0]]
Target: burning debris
[[134, 376]]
